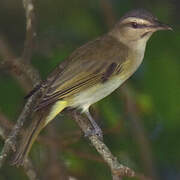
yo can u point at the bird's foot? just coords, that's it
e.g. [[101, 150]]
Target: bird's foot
[[95, 132]]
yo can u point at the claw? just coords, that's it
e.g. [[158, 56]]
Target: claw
[[95, 132], [96, 129]]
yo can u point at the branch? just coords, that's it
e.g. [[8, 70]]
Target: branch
[[4, 128], [22, 67], [10, 142], [108, 12], [30, 29], [137, 127], [55, 170], [30, 170], [139, 133], [24, 73], [118, 170]]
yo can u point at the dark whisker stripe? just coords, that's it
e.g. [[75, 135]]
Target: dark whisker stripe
[[146, 33]]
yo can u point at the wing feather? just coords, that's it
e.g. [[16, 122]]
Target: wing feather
[[91, 64]]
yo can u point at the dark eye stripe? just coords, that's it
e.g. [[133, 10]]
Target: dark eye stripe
[[136, 25]]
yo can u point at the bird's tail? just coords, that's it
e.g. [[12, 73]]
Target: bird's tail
[[37, 124]]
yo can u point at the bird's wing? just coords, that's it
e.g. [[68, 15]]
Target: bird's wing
[[88, 66]]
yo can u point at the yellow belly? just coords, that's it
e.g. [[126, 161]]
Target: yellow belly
[[91, 95]]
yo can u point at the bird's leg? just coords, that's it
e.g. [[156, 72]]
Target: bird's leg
[[97, 130]]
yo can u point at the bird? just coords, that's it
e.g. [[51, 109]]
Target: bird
[[90, 73]]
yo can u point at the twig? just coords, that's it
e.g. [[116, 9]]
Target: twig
[[139, 134], [28, 168], [4, 128], [27, 70], [56, 170], [108, 14], [30, 29], [21, 65], [2, 133], [10, 142], [117, 169], [26, 75], [10, 63]]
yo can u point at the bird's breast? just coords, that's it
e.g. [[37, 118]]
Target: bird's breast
[[132, 63]]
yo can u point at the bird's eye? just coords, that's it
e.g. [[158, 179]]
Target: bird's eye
[[134, 25]]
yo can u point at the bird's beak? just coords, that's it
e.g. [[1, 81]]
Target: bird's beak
[[161, 26]]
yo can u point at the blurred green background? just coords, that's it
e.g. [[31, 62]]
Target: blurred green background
[[145, 138]]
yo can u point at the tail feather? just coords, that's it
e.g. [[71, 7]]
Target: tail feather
[[28, 140], [37, 124]]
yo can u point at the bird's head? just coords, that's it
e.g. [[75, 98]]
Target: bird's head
[[137, 26]]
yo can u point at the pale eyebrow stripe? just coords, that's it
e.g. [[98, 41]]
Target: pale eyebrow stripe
[[140, 21]]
